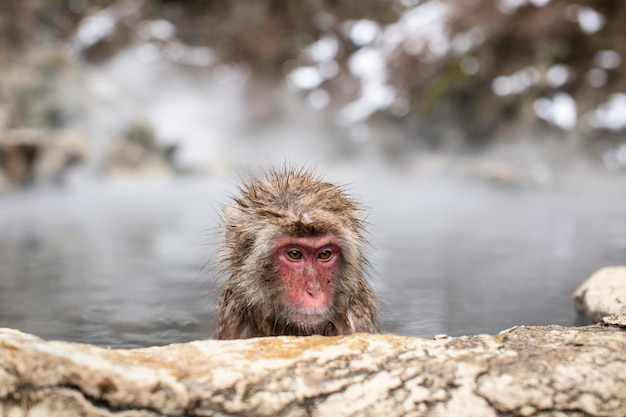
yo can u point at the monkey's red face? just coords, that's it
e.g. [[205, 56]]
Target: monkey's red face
[[308, 266]]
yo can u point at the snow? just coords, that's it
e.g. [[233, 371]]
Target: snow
[[364, 32], [324, 50], [607, 59], [557, 75], [160, 29], [597, 77], [318, 99], [516, 83], [589, 20], [368, 63], [609, 115], [305, 78], [95, 28], [559, 110]]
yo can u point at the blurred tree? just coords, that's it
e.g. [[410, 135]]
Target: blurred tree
[[510, 54], [480, 68], [267, 36], [17, 21]]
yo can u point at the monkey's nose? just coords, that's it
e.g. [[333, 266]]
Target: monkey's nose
[[313, 288]]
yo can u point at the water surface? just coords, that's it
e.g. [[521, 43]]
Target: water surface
[[127, 263]]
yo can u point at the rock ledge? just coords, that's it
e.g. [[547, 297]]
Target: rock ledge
[[523, 371], [603, 294]]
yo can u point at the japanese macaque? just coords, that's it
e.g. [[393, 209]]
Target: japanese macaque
[[293, 261]]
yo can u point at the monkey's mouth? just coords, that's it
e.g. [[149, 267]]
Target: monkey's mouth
[[307, 317]]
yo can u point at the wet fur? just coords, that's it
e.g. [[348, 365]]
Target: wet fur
[[284, 203]]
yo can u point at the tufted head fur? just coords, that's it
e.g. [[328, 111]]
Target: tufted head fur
[[285, 203]]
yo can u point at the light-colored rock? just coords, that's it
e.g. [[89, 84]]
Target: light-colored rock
[[615, 320], [39, 155], [524, 371], [603, 294]]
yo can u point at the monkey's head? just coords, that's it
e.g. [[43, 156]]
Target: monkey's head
[[292, 252]]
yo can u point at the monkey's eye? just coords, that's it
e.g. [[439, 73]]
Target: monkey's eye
[[294, 255], [325, 254]]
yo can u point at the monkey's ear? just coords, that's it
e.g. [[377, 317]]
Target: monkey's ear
[[232, 216]]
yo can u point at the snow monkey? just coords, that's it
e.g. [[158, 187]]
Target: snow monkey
[[293, 261]]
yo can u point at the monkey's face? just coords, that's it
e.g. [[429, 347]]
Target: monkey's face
[[307, 267]]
